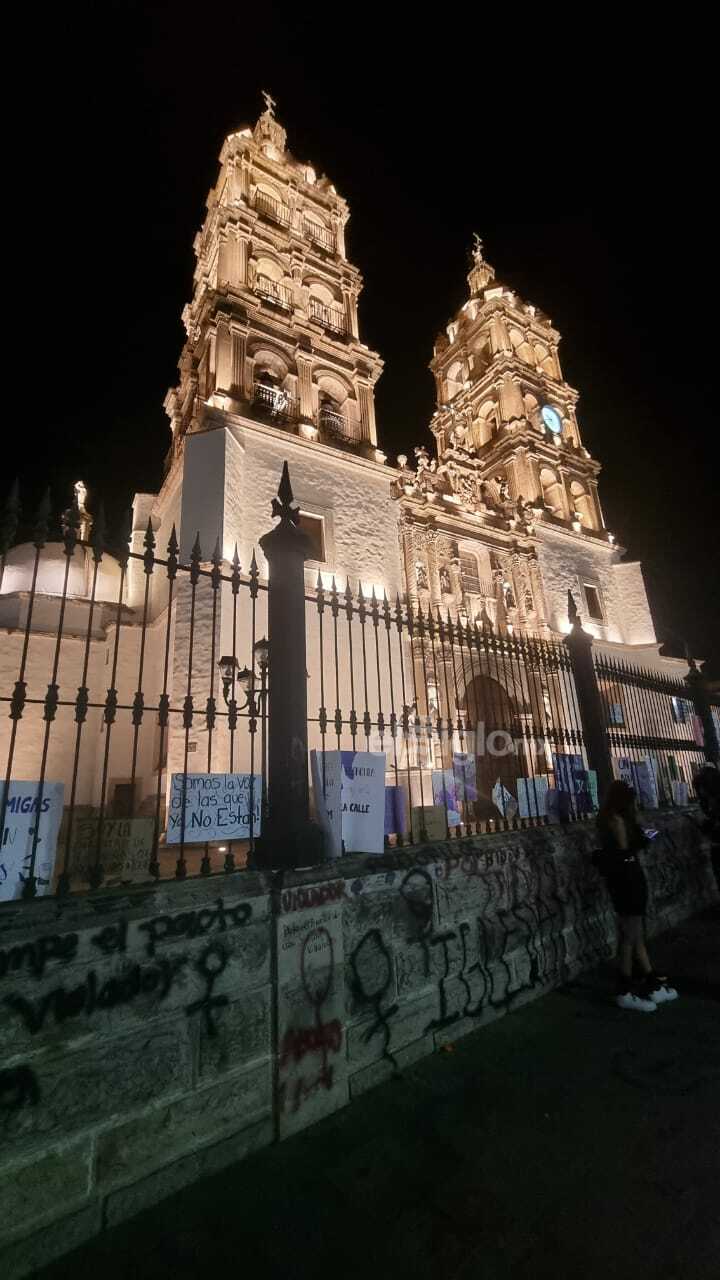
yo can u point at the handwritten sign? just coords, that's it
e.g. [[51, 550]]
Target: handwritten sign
[[218, 806], [363, 801], [125, 848], [26, 814], [349, 791]]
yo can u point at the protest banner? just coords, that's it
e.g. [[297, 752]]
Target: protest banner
[[217, 806], [26, 814], [363, 801]]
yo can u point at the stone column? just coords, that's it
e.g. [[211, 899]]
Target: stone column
[[699, 693], [408, 548], [288, 839], [536, 492], [243, 258], [239, 348], [223, 355], [339, 230], [350, 304], [244, 176], [431, 539], [593, 491], [304, 370], [511, 401], [297, 266], [592, 716], [567, 496], [366, 403]]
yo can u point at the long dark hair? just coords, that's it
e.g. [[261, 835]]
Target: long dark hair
[[619, 801]]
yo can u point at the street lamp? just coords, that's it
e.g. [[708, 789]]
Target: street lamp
[[255, 698]]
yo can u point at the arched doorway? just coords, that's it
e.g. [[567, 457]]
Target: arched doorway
[[493, 714]]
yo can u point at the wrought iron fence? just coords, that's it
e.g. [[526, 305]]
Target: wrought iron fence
[[651, 720], [135, 676], [122, 667], [476, 728]]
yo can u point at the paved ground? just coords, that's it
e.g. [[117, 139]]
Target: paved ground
[[569, 1140]]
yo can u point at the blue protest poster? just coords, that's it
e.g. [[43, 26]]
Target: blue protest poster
[[395, 811], [444, 794], [28, 814], [532, 796], [465, 776]]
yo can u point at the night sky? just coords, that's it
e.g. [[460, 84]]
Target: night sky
[[582, 157]]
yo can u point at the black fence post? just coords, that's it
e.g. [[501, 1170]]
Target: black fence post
[[579, 644], [289, 838], [697, 685]]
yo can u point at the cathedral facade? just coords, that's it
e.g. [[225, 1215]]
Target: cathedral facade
[[491, 520], [498, 518]]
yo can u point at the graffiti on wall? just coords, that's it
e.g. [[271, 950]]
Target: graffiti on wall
[[311, 1040]]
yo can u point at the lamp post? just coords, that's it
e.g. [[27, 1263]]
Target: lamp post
[[256, 706]]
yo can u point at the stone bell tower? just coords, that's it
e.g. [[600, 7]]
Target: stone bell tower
[[272, 328], [505, 415]]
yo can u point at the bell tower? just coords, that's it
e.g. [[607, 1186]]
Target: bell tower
[[505, 416], [272, 328]]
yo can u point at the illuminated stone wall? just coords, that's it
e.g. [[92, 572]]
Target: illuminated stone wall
[[138, 1045]]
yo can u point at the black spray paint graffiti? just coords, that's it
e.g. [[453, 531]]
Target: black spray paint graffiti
[[33, 957], [372, 972], [92, 993], [18, 1088], [210, 965]]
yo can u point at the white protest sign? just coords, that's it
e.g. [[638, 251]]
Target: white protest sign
[[326, 770], [504, 802], [18, 836], [125, 848], [363, 801], [217, 806]]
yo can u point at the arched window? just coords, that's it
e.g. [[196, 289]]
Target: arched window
[[552, 491], [454, 379], [582, 503]]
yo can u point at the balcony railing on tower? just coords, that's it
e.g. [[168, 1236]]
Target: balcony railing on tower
[[331, 318], [336, 426], [272, 208], [274, 402], [319, 235], [271, 291]]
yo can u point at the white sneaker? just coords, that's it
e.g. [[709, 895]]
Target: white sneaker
[[662, 994], [630, 1001]]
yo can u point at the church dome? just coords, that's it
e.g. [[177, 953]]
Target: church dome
[[20, 561]]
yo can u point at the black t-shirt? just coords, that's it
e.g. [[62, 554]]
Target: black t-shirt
[[621, 868]]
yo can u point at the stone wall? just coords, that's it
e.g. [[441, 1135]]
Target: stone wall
[[154, 1036]]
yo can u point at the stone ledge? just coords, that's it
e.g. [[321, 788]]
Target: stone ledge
[[26, 1257], [59, 1179], [127, 1201], [161, 1135], [378, 1072]]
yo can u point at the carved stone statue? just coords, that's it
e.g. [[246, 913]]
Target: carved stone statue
[[78, 513], [421, 575], [445, 582], [503, 489]]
